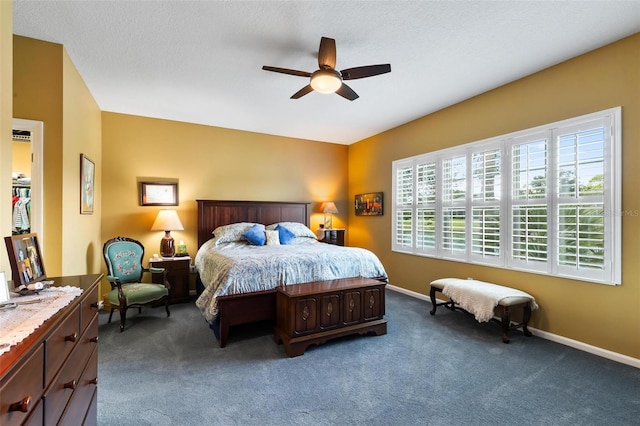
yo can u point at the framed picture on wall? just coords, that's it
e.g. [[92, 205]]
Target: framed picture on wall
[[158, 194], [26, 262], [369, 204], [87, 183]]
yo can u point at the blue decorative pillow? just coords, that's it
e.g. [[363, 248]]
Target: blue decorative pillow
[[255, 235], [285, 235]]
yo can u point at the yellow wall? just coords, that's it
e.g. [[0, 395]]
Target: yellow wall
[[82, 134], [6, 118], [209, 163], [600, 315], [47, 88], [37, 87]]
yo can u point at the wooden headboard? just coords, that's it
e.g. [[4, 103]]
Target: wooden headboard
[[214, 213]]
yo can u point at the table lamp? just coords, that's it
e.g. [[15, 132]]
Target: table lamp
[[167, 221], [329, 208]]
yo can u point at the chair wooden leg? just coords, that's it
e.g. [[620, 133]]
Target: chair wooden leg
[[123, 316], [166, 307], [110, 315]]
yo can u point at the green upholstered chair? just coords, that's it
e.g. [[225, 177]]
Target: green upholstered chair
[[125, 271]]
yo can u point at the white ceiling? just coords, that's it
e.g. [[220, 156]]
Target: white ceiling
[[200, 61]]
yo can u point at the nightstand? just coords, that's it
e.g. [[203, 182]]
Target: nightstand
[[334, 236], [177, 275]]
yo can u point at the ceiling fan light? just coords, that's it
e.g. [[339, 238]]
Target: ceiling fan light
[[326, 81]]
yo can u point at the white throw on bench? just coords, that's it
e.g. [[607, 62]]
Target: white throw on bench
[[480, 298]]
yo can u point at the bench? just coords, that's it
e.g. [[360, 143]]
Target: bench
[[480, 298], [312, 313]]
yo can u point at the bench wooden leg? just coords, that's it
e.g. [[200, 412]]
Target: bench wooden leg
[[432, 295], [449, 305], [506, 323], [526, 316]]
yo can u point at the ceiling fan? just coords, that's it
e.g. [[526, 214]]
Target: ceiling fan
[[327, 79]]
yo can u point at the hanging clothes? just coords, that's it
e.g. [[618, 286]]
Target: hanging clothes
[[21, 200]]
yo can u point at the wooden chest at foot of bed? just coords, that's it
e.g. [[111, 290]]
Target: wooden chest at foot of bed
[[312, 313]]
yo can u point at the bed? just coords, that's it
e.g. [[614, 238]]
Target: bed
[[243, 292]]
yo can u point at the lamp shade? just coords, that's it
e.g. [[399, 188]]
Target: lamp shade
[[167, 220], [326, 81], [329, 207]]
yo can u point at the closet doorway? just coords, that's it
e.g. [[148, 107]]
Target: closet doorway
[[27, 173]]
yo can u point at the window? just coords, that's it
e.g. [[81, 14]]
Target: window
[[544, 200]]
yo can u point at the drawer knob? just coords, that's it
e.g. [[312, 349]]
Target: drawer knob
[[94, 381], [94, 305], [22, 406], [94, 339], [71, 338], [70, 385]]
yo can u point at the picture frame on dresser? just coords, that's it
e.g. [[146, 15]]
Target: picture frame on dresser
[[25, 258]]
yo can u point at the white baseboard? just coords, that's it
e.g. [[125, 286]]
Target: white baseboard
[[614, 356]]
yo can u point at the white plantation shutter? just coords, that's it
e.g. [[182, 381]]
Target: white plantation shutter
[[486, 189], [583, 246], [544, 200], [453, 232], [529, 201], [403, 207], [426, 207]]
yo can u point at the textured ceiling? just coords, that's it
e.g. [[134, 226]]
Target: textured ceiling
[[200, 61]]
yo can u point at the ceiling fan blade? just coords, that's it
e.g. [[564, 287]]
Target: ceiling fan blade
[[327, 53], [300, 93], [366, 71], [287, 71], [347, 92]]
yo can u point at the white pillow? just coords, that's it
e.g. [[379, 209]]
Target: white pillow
[[273, 237], [298, 229], [232, 232]]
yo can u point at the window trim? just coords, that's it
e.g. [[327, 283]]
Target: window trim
[[611, 199]]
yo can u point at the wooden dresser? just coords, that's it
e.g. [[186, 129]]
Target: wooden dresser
[[51, 377]]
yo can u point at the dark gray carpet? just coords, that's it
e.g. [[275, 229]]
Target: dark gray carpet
[[441, 370]]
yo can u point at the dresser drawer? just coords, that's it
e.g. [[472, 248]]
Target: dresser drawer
[[89, 308], [81, 399], [37, 415], [22, 389], [60, 344], [69, 380], [88, 342]]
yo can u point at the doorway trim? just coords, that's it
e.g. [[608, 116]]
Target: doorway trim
[[37, 171]]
